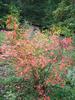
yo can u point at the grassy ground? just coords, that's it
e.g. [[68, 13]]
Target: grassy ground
[[2, 37]]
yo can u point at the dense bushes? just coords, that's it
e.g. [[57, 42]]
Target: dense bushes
[[8, 8], [64, 15], [43, 13], [38, 12]]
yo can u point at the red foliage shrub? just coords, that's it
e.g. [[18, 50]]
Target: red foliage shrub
[[41, 52]]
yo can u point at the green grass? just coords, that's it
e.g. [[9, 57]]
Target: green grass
[[2, 37]]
